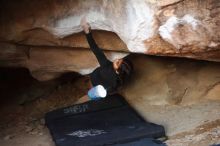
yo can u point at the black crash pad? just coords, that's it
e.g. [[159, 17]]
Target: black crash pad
[[108, 121], [143, 142]]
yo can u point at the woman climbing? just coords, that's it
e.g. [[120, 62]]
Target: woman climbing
[[109, 76]]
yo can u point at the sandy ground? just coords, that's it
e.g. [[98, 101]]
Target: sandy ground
[[24, 125]]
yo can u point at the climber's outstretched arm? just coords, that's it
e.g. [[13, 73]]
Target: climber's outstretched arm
[[94, 47]]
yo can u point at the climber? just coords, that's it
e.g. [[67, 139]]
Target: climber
[[109, 76]]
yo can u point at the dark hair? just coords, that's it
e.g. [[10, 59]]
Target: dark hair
[[125, 70]]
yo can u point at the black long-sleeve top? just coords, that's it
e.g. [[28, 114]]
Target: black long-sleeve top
[[105, 74]]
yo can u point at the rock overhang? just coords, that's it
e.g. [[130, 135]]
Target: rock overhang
[[166, 27]]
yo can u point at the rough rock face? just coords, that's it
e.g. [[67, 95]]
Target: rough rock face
[[45, 63], [172, 81], [181, 28], [180, 94]]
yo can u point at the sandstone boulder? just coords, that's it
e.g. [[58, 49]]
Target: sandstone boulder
[[182, 28], [172, 81]]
